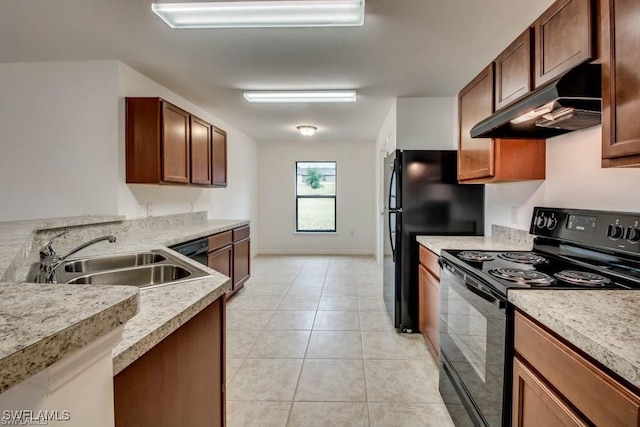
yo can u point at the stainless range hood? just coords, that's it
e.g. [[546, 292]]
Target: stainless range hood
[[571, 102]]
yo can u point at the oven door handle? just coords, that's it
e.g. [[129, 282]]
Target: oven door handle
[[485, 296]]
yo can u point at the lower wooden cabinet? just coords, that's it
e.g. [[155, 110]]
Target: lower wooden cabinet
[[553, 384], [241, 260], [230, 254], [221, 260], [535, 404], [180, 381], [429, 299]]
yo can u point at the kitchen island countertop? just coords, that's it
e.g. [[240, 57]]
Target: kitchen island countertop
[[160, 311]]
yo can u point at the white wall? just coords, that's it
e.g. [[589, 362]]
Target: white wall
[[574, 179], [238, 200], [58, 133], [425, 124], [355, 198], [62, 151]]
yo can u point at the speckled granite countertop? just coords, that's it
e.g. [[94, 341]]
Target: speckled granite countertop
[[603, 324], [161, 310], [438, 243], [37, 328]]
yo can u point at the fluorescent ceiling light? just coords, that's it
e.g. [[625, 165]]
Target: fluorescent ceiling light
[[258, 14], [307, 130], [301, 96]]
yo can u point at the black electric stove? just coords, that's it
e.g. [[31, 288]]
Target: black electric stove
[[573, 249]]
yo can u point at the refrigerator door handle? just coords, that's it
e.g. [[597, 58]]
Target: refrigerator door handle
[[391, 182], [393, 248]]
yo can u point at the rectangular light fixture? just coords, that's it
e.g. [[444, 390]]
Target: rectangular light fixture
[[260, 14], [301, 96], [538, 112]]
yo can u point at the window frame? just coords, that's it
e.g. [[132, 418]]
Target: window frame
[[334, 197]]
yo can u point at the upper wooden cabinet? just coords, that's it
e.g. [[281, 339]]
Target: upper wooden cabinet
[[513, 71], [175, 151], [475, 104], [564, 38], [219, 164], [157, 142], [620, 49], [201, 170], [167, 145], [484, 160]]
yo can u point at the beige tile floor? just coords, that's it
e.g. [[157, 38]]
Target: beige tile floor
[[309, 344]]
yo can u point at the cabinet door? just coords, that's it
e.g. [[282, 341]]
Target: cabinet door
[[513, 71], [429, 308], [175, 144], [475, 155], [620, 82], [180, 381], [241, 263], [200, 151], [219, 158], [564, 39], [535, 404], [222, 260]]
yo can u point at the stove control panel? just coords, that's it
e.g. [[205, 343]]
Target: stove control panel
[[612, 230]]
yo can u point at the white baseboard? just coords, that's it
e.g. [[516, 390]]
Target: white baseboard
[[314, 252]]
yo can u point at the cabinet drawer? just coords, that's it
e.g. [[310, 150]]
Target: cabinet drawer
[[219, 240], [240, 233], [593, 392], [430, 261]]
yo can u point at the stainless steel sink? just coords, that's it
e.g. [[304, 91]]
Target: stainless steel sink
[[89, 265], [143, 269], [142, 277]]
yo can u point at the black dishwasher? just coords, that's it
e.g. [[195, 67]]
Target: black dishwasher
[[194, 249]]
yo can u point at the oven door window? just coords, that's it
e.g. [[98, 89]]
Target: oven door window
[[472, 338]]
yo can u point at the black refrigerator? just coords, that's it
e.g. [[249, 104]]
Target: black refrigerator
[[422, 197]]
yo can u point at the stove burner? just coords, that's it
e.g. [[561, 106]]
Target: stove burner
[[475, 256], [523, 277], [523, 257], [582, 278]]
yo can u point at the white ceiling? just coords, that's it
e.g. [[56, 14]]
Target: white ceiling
[[406, 48]]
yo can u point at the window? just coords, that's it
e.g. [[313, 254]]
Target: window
[[316, 196]]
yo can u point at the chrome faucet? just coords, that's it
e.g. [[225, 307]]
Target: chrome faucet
[[50, 260]]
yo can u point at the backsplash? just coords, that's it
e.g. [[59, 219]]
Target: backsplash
[[512, 235], [83, 233]]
